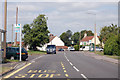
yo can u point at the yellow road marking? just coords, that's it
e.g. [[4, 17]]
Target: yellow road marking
[[21, 76], [32, 71], [63, 68], [51, 76], [17, 70], [66, 75], [44, 75], [39, 71], [65, 71], [51, 71], [32, 75], [45, 71]]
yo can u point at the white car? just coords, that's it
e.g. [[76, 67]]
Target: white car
[[85, 48], [71, 48], [98, 49]]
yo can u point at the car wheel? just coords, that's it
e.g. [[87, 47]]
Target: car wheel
[[24, 59]]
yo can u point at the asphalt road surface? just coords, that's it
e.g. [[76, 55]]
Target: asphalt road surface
[[66, 65]]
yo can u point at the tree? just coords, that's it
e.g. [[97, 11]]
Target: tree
[[107, 31], [75, 38], [111, 45], [36, 34], [76, 35], [66, 37], [89, 33]]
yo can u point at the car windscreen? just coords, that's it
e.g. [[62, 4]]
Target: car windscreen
[[51, 46]]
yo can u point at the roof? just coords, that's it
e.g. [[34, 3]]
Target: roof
[[19, 42], [87, 38], [51, 38]]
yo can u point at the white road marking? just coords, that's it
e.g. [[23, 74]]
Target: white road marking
[[76, 69], [84, 76], [71, 63]]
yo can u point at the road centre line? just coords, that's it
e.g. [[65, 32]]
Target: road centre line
[[84, 76], [71, 63], [17, 70], [75, 68]]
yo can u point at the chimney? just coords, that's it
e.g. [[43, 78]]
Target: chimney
[[51, 35], [85, 34]]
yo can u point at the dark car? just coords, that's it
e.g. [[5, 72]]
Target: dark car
[[60, 49], [13, 52], [51, 49]]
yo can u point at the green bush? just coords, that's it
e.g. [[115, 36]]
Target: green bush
[[76, 47], [111, 46]]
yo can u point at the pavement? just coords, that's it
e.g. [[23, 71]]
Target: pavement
[[15, 65], [68, 65], [100, 57]]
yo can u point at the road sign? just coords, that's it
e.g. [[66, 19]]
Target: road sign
[[17, 27]]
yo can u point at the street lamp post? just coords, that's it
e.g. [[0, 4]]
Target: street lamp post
[[5, 28], [94, 32]]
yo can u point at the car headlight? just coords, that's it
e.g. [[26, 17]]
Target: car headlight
[[53, 49]]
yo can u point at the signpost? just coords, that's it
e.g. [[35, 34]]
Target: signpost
[[18, 29]]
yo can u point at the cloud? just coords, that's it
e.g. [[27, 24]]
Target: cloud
[[64, 16], [63, 1]]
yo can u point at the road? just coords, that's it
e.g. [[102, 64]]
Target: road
[[66, 65]]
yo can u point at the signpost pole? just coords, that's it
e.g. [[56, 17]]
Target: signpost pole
[[20, 42]]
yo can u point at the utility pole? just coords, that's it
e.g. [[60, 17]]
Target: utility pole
[[94, 32], [95, 35], [12, 35], [16, 25], [79, 40], [5, 28]]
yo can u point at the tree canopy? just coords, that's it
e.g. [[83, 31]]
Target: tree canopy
[[36, 34], [107, 31], [66, 37]]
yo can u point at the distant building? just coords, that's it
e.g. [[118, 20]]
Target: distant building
[[54, 40], [89, 39]]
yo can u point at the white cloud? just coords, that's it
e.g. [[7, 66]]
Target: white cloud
[[63, 1], [64, 16]]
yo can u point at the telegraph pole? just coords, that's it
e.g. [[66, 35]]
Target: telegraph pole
[[16, 25], [12, 35], [79, 40], [94, 32], [5, 28], [95, 35]]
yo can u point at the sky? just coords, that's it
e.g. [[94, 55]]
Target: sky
[[62, 15]]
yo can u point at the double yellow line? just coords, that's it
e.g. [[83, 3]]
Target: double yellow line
[[17, 70]]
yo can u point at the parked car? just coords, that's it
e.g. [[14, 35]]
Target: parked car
[[13, 52], [85, 48], [98, 49], [51, 49], [60, 49], [71, 49]]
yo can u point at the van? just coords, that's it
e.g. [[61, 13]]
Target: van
[[51, 49]]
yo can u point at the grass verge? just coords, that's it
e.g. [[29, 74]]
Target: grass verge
[[9, 60], [110, 56], [30, 52]]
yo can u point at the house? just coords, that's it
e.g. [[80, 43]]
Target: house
[[89, 39], [54, 40]]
